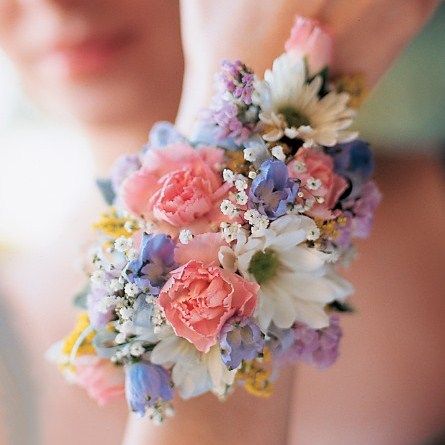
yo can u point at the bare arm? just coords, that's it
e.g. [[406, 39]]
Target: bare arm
[[369, 35]]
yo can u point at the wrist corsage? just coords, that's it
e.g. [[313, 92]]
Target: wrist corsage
[[217, 261]]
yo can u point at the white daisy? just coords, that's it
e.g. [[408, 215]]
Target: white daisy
[[290, 106], [295, 281], [193, 372]]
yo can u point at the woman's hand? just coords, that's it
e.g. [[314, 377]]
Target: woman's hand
[[368, 36]]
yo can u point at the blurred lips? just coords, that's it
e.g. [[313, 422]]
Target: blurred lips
[[93, 55]]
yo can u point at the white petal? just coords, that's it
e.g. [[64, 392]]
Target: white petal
[[311, 314]]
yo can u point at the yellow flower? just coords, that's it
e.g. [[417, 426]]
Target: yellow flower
[[256, 377], [355, 86], [70, 341], [115, 226]]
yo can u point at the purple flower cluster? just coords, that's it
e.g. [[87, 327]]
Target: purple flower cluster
[[317, 347], [234, 115], [240, 341], [237, 79], [122, 168], [272, 190]]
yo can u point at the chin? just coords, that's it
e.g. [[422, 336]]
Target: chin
[[99, 102]]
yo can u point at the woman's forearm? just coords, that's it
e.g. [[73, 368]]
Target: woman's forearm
[[243, 418]]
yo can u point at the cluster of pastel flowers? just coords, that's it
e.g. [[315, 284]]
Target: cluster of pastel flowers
[[217, 261]]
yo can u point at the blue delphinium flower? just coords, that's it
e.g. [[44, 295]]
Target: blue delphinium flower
[[145, 385], [240, 341], [354, 161], [272, 190], [163, 134], [354, 158], [156, 259]]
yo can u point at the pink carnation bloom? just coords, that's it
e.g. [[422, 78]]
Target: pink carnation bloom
[[178, 187], [308, 39], [200, 296], [312, 164], [102, 380]]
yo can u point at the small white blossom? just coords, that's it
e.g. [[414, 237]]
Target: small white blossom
[[120, 338], [241, 184], [105, 304], [118, 301], [259, 225], [149, 227], [230, 231], [252, 174], [126, 327], [131, 289], [333, 256], [122, 244], [116, 285], [228, 175], [136, 349], [185, 235], [251, 215], [313, 184], [131, 254], [98, 276], [228, 208], [241, 198], [313, 234], [150, 299], [126, 312], [129, 226], [278, 152], [158, 318], [319, 199], [299, 167], [249, 154]]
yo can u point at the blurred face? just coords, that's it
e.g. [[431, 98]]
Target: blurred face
[[100, 60]]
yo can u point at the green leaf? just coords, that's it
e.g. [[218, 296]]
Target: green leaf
[[106, 190], [341, 306], [80, 299]]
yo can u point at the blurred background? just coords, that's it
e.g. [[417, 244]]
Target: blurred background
[[387, 387]]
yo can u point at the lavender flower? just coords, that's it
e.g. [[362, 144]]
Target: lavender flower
[[364, 209], [162, 134], [282, 340], [233, 113], [240, 341], [237, 79], [150, 270], [122, 168], [317, 347], [360, 217], [98, 318], [145, 385], [272, 190]]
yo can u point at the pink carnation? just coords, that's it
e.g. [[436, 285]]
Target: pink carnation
[[309, 40], [102, 380], [178, 187], [200, 296], [312, 164]]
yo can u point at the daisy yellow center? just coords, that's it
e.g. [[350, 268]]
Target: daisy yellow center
[[293, 117], [264, 265]]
